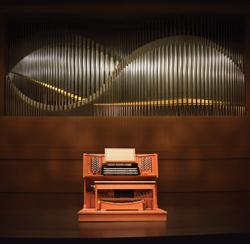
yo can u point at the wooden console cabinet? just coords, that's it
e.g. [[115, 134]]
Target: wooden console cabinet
[[123, 195]]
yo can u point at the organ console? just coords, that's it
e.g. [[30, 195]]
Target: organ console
[[120, 185]]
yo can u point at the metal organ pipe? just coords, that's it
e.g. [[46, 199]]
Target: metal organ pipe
[[176, 66]]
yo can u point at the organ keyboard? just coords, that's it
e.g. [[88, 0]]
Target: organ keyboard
[[120, 169]]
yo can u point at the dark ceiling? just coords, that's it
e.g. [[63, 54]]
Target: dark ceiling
[[123, 7]]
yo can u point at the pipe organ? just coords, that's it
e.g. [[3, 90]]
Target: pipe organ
[[120, 185], [177, 65]]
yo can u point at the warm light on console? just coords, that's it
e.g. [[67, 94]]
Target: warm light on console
[[117, 190]]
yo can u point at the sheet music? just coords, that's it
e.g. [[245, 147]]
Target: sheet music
[[119, 154]]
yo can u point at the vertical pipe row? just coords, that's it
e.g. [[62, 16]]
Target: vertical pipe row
[[181, 77]]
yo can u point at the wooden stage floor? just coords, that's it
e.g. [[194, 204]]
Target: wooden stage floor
[[54, 215]]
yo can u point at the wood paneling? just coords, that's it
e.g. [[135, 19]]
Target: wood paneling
[[41, 176], [43, 154], [171, 137], [204, 175], [174, 175]]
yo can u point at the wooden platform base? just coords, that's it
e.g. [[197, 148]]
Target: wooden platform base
[[90, 215]]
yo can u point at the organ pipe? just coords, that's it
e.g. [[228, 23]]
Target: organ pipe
[[183, 65]]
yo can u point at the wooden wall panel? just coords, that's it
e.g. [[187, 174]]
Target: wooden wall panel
[[196, 153], [171, 137], [175, 175], [41, 176], [204, 175]]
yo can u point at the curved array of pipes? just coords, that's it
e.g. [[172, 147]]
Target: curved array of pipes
[[174, 75]]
